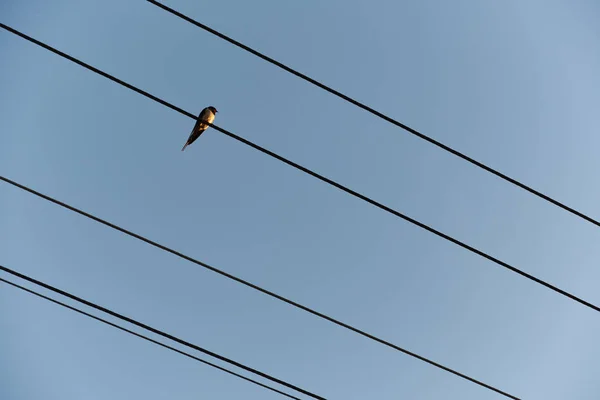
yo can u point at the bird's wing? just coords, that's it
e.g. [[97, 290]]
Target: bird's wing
[[194, 135], [195, 129], [197, 126], [203, 114]]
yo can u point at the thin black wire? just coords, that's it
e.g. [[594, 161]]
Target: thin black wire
[[147, 338], [253, 286], [380, 114], [158, 332], [314, 174]]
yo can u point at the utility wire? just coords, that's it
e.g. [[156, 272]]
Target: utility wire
[[146, 338], [380, 114], [256, 287], [158, 332], [313, 174]]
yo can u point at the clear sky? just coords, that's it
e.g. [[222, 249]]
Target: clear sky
[[514, 84]]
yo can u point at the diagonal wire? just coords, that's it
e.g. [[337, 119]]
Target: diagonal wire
[[146, 338], [311, 173], [379, 114], [158, 332], [256, 287]]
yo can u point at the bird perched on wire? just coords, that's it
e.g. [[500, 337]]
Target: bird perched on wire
[[206, 115]]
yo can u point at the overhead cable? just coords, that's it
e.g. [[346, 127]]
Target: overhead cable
[[139, 335], [256, 287], [379, 114], [157, 332]]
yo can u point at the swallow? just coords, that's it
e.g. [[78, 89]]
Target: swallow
[[206, 115]]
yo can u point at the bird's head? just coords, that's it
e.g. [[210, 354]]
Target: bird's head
[[212, 109]]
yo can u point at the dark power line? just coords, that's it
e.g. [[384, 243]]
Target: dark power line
[[314, 174], [158, 332], [147, 338], [380, 115], [256, 287]]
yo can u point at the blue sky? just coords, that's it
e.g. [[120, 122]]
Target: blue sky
[[513, 84]]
